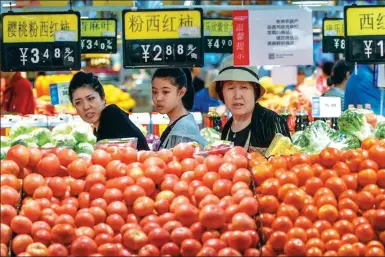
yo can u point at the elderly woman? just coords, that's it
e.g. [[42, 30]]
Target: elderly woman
[[251, 125]]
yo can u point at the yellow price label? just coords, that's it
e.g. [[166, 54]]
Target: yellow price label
[[40, 28], [218, 27], [333, 28], [98, 28], [164, 24], [54, 3], [113, 3], [365, 20]]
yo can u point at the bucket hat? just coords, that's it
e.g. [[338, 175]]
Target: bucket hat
[[227, 71]]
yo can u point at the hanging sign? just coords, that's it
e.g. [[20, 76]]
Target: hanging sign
[[218, 35], [365, 34], [333, 39], [99, 36], [160, 38], [44, 41], [272, 37], [57, 3]]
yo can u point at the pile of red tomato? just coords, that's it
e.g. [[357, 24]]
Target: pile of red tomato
[[331, 204], [121, 202]]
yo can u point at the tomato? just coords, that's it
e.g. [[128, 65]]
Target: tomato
[[66, 156], [298, 158], [377, 153], [367, 177], [190, 247], [353, 159], [243, 222], [19, 154], [209, 179], [189, 164], [20, 243], [132, 193], [183, 151], [100, 157], [369, 142], [31, 210], [9, 196], [222, 187], [170, 249], [155, 173], [9, 167], [144, 206], [238, 160], [6, 234], [303, 173], [115, 221], [134, 239], [63, 234], [48, 166], [83, 246], [212, 216], [228, 251], [250, 205], [213, 162]]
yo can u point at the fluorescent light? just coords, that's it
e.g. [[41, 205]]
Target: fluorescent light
[[188, 2], [8, 5], [317, 30], [310, 3], [84, 17]]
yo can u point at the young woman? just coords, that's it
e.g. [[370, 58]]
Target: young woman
[[251, 125], [87, 95], [338, 79], [173, 94]]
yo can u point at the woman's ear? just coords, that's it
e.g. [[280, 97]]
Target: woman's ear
[[182, 92]]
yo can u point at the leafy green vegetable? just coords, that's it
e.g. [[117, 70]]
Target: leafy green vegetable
[[41, 136], [49, 145], [62, 129], [210, 134], [19, 129], [64, 140], [5, 141], [80, 133], [91, 139], [354, 122], [315, 137], [33, 145], [22, 140], [345, 141], [380, 130], [84, 148]]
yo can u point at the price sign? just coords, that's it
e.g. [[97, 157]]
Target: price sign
[[326, 107], [365, 34], [99, 36], [159, 38], [333, 39], [218, 35], [40, 41], [59, 93]]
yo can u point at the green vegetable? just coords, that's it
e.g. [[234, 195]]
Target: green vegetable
[[315, 137], [22, 140], [84, 148], [380, 130], [210, 134], [300, 139], [64, 140], [91, 139], [49, 145], [80, 134], [4, 151], [62, 129], [33, 145], [345, 141], [354, 122], [5, 141], [19, 129], [41, 136]]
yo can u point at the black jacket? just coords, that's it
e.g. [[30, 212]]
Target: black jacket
[[115, 123], [264, 125]]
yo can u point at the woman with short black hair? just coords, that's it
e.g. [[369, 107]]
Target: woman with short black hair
[[87, 95]]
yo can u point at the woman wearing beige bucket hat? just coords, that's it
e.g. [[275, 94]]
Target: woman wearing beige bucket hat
[[251, 125]]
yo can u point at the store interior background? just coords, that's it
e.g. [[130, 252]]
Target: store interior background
[[137, 82]]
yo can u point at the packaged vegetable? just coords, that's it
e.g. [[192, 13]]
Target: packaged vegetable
[[354, 122]]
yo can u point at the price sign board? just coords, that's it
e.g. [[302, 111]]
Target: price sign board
[[44, 41], [326, 107], [218, 35], [99, 36], [365, 34], [59, 93], [333, 38], [163, 37]]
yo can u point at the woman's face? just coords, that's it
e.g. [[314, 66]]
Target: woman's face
[[88, 104], [165, 96], [239, 97]]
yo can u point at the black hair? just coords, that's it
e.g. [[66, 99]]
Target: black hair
[[327, 68], [339, 73], [219, 89], [85, 79], [181, 78]]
